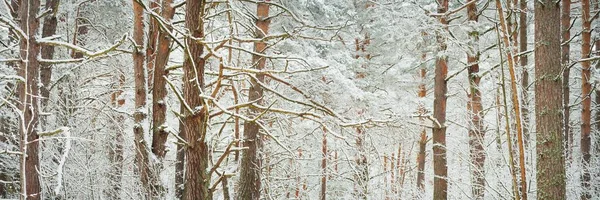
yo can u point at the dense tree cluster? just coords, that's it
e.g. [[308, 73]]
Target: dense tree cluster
[[309, 99]]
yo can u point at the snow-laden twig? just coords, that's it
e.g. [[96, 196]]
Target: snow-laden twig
[[13, 26], [86, 52]]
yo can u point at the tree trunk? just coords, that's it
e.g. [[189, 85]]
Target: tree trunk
[[29, 69], [421, 111], [151, 52], [476, 133], [586, 95], [180, 164], [48, 29], [440, 168], [251, 164], [142, 159], [525, 72], [548, 102], [566, 49], [159, 91], [196, 176], [515, 99]]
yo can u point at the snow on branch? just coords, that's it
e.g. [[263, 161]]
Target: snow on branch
[[86, 52], [13, 26]]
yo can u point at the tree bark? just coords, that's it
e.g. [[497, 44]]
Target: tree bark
[[142, 157], [180, 164], [476, 133], [29, 69], [196, 176], [525, 72], [548, 102], [421, 93], [586, 95], [151, 52], [48, 29], [566, 49], [251, 164], [159, 91], [440, 168]]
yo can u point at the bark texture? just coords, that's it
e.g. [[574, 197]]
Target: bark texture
[[586, 95], [159, 91], [548, 101], [48, 29], [251, 163], [29, 92], [197, 179], [440, 168]]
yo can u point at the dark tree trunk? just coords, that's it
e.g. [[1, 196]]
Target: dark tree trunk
[[29, 92], [48, 29], [548, 102], [251, 164]]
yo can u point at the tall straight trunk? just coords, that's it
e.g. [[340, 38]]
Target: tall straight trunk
[[142, 159], [548, 102], [586, 95], [48, 29], [565, 22], [476, 133], [159, 91], [151, 52], [29, 69], [81, 29], [323, 194], [515, 99], [440, 168], [361, 178], [423, 138], [196, 176], [251, 164], [525, 72]]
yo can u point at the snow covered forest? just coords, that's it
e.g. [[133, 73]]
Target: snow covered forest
[[305, 99]]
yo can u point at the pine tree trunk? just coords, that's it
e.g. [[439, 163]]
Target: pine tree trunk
[[250, 172], [476, 133], [586, 95], [180, 163], [548, 102], [525, 72], [48, 29], [151, 52], [440, 168], [196, 176], [29, 69], [159, 91], [566, 49], [142, 159], [421, 111]]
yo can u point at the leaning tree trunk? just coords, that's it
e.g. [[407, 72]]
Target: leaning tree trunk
[[251, 164], [548, 102], [29, 70], [440, 169], [195, 121], [476, 133]]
